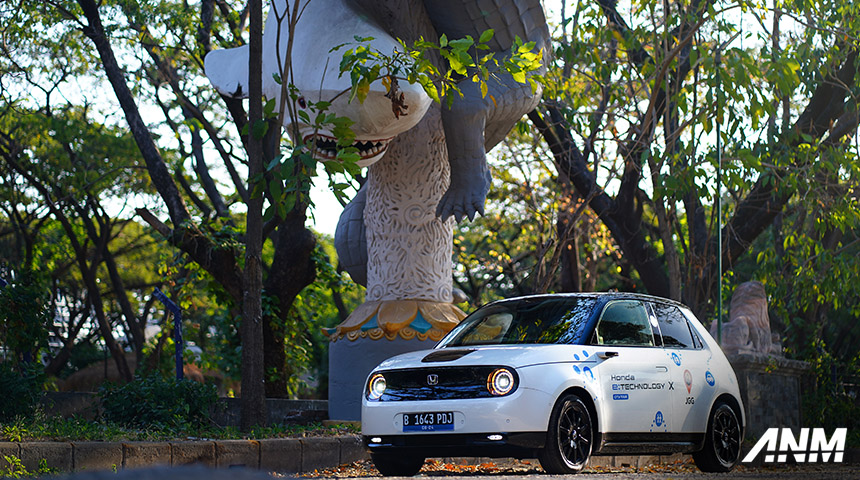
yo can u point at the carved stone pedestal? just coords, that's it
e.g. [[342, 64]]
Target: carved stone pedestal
[[771, 389]]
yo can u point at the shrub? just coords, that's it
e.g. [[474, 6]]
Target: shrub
[[21, 390], [16, 469], [158, 402], [24, 316], [833, 403]]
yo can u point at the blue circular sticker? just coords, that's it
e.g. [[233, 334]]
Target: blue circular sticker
[[658, 419], [588, 371], [709, 378], [676, 359]]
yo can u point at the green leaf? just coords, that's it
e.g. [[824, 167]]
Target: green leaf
[[274, 163], [276, 189], [260, 128], [269, 108], [486, 36]]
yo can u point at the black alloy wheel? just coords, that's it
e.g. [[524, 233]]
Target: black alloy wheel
[[722, 441], [570, 437], [396, 464]]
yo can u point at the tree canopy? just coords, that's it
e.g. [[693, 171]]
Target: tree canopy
[[122, 169]]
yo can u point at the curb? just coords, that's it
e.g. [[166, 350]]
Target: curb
[[283, 455]]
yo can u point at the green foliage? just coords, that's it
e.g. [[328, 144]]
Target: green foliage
[[76, 429], [810, 260], [287, 179], [831, 405], [16, 469], [513, 248], [21, 387], [465, 58], [315, 308], [158, 402], [24, 315]]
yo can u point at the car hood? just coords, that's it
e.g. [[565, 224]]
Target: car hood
[[509, 355]]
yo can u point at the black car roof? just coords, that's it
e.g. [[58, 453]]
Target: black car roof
[[598, 296]]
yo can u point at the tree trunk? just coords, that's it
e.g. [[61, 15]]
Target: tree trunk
[[253, 405], [292, 270], [568, 238]]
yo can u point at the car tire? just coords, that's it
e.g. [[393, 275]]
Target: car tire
[[569, 438], [722, 441], [397, 465]]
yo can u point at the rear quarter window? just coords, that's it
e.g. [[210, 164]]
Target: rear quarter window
[[674, 327]]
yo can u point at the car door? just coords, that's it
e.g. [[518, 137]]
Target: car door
[[688, 370], [632, 368]]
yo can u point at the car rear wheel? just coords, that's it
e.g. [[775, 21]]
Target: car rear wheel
[[570, 437], [397, 465], [722, 441]]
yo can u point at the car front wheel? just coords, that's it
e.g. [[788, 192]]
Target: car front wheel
[[397, 465], [569, 438], [722, 441]]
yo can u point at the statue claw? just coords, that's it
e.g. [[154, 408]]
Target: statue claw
[[464, 198]]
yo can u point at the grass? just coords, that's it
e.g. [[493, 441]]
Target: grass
[[40, 427]]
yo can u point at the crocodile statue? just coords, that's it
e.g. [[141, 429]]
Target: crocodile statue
[[426, 169]]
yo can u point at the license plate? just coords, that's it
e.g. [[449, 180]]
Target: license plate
[[428, 421]]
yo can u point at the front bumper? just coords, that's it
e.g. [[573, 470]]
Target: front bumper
[[525, 410], [514, 445]]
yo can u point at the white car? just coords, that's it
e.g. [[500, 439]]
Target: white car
[[559, 377]]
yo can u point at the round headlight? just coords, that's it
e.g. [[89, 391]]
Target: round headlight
[[500, 382], [376, 387]]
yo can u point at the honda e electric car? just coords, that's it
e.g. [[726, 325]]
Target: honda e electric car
[[559, 378]]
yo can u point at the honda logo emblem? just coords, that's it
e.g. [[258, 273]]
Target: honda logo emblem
[[432, 379]]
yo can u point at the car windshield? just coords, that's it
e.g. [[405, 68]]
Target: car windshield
[[533, 320]]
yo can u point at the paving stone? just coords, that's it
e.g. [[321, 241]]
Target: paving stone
[[352, 450], [283, 455], [599, 461], [646, 460], [144, 454], [237, 453], [675, 457], [319, 453], [56, 455], [625, 461], [192, 453], [96, 456]]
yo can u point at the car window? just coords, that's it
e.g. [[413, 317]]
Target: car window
[[697, 340], [624, 322], [673, 326], [540, 320]]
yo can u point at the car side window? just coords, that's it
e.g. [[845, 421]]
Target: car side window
[[697, 340], [674, 327], [624, 322]]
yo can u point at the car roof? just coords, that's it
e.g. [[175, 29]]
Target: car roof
[[597, 296]]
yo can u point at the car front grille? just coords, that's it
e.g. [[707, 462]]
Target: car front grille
[[439, 383]]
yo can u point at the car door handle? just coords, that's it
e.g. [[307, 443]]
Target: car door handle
[[605, 355], [662, 368]]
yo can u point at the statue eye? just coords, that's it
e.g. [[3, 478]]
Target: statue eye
[[302, 103]]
